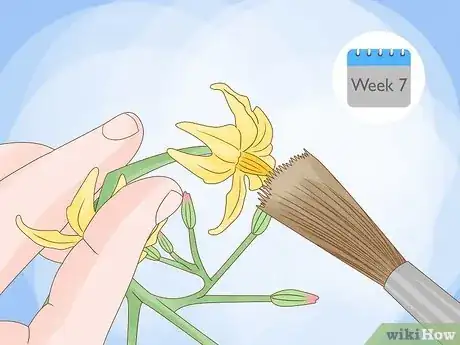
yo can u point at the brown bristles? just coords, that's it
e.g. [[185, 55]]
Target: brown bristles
[[304, 196]]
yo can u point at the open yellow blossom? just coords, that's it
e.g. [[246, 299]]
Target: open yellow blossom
[[79, 214], [240, 150]]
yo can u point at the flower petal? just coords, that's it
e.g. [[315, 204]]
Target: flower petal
[[153, 238], [154, 234], [245, 118], [81, 210], [143, 255], [262, 152], [210, 169], [264, 133], [48, 238], [224, 141], [234, 203], [255, 182], [120, 184], [269, 160]]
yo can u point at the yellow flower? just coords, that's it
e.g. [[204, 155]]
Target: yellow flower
[[79, 214], [240, 150]]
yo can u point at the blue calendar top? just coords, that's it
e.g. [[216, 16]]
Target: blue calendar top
[[378, 57]]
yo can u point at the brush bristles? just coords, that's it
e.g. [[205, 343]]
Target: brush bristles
[[304, 196]]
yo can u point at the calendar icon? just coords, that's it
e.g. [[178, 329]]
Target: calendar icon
[[379, 78]]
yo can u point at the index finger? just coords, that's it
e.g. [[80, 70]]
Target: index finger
[[97, 272]]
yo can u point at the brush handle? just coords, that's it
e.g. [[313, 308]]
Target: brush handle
[[426, 301]]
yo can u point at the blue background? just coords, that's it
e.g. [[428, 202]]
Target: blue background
[[19, 20]]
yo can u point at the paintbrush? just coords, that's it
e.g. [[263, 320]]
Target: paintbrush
[[304, 196]]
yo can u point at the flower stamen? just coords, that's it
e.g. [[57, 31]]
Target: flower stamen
[[251, 164]]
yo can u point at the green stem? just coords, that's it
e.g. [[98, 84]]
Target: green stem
[[230, 261], [132, 172], [140, 168], [175, 264], [182, 261], [232, 299], [177, 303], [196, 256], [156, 304], [134, 309]]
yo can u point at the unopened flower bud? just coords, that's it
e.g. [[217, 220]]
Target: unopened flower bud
[[153, 253], [260, 222], [165, 243], [292, 298], [188, 211]]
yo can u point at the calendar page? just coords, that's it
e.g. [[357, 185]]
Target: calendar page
[[379, 78]]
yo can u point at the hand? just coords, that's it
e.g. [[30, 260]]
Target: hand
[[38, 183]]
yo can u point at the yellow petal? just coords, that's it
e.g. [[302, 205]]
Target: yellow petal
[[143, 255], [245, 118], [234, 203], [210, 169], [224, 141], [255, 182], [269, 160], [264, 134], [262, 152], [81, 210], [154, 235], [153, 238], [120, 184], [48, 238]]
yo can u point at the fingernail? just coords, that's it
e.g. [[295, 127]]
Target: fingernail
[[121, 127], [168, 206]]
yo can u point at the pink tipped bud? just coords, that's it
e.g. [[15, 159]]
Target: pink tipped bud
[[186, 197], [311, 299], [293, 298], [188, 211]]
